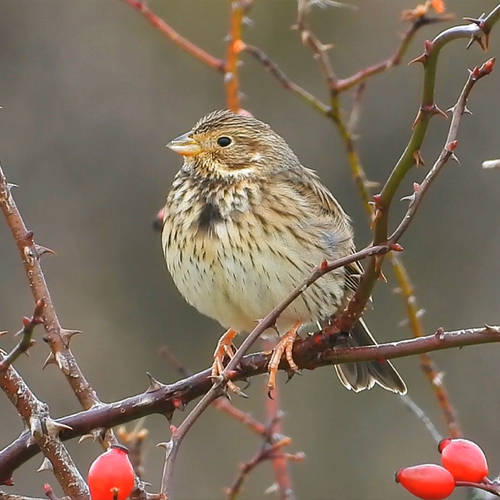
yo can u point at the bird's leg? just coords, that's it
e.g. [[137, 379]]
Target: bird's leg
[[224, 348], [285, 345]]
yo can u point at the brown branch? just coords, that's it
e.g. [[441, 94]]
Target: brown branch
[[284, 488], [43, 434], [269, 451], [11, 496], [231, 80], [310, 353], [221, 404], [492, 487], [27, 332], [319, 49], [189, 47], [269, 65], [396, 59], [55, 336], [219, 386]]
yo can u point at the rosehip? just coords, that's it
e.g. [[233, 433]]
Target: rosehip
[[464, 459], [426, 481], [111, 475]]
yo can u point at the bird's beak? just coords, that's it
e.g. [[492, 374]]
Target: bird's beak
[[185, 145]]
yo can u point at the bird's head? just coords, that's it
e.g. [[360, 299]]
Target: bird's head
[[228, 145]]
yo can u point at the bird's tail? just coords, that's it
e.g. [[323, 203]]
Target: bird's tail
[[360, 376]]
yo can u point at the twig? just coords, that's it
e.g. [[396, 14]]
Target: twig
[[49, 493], [274, 414], [448, 150], [407, 401], [179, 40], [309, 354], [43, 433], [26, 331], [56, 336], [396, 59], [383, 201], [268, 451], [285, 82], [221, 404], [11, 496], [427, 365], [231, 80], [319, 49], [492, 487], [134, 441]]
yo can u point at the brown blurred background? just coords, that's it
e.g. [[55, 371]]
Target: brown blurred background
[[90, 95]]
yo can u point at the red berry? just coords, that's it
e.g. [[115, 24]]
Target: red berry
[[464, 459], [111, 475], [426, 481]]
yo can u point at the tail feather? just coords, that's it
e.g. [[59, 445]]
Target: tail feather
[[361, 376]]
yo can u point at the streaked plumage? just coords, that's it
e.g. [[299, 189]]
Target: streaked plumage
[[245, 222]]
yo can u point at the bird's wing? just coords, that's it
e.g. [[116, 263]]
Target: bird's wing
[[328, 214]]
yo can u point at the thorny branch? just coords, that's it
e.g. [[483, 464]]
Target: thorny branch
[[271, 449], [26, 341], [311, 353]]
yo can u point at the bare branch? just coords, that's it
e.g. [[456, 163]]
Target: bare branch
[[27, 331], [311, 353], [179, 40]]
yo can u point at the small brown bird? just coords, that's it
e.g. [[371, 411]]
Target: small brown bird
[[244, 223]]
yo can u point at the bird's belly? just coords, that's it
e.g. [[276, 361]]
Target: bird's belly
[[238, 282]]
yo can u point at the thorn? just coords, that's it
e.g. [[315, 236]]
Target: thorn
[[376, 216], [403, 322], [54, 427], [438, 111], [410, 198], [85, 437], [274, 488], [378, 262], [154, 385], [438, 379], [51, 360], [418, 158], [454, 157], [417, 120], [466, 111], [40, 251], [420, 59], [477, 21], [67, 335], [46, 466], [246, 21], [11, 185], [2, 333], [371, 184], [382, 277]]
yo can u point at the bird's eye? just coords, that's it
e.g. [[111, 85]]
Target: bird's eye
[[224, 141]]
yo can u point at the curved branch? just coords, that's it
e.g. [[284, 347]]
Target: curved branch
[[310, 353]]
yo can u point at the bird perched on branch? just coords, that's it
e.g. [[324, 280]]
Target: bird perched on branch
[[244, 223]]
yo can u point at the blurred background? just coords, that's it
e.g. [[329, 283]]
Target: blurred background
[[91, 93]]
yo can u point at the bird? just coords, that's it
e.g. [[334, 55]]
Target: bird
[[243, 224]]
